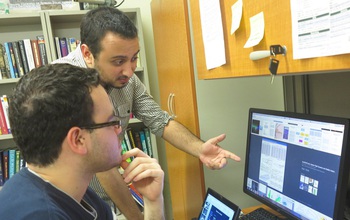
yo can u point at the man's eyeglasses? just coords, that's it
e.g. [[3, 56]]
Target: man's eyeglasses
[[116, 122]]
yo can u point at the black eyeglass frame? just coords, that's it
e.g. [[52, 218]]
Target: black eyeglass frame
[[103, 125]]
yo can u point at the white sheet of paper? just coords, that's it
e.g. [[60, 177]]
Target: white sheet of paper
[[212, 32], [236, 10], [320, 28], [257, 29]]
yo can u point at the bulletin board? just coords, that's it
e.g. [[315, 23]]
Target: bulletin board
[[278, 30]]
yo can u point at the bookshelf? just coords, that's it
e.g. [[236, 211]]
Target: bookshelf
[[60, 23]]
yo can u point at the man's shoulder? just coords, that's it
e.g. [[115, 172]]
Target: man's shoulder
[[18, 197], [70, 60], [63, 60], [75, 58], [15, 182], [20, 186]]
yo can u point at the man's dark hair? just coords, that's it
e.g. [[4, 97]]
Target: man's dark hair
[[45, 104], [98, 22]]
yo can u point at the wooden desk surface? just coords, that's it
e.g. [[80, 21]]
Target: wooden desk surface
[[250, 209]]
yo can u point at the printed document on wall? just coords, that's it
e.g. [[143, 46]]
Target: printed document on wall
[[212, 32], [257, 29], [320, 28]]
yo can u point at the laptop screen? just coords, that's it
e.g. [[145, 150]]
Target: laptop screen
[[215, 206]]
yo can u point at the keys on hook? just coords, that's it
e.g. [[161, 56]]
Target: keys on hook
[[273, 68]]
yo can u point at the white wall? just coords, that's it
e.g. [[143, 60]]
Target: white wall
[[223, 106]]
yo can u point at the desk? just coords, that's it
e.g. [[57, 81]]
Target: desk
[[250, 209]]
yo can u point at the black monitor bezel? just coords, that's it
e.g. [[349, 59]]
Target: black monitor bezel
[[344, 161]]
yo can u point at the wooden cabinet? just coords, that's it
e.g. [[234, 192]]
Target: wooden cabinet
[[177, 89]]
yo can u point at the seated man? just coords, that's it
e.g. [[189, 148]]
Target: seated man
[[64, 124]]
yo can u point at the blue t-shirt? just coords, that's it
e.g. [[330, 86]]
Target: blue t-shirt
[[27, 196]]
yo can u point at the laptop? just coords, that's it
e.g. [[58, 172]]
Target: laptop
[[217, 207]]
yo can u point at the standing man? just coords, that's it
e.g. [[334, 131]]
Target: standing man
[[65, 126], [110, 44]]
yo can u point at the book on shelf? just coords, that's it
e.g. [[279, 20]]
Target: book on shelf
[[137, 139], [127, 141], [12, 162], [131, 137], [143, 142], [29, 54], [12, 53], [148, 141], [36, 53], [17, 161], [1, 171], [11, 61], [42, 49], [22, 50], [58, 47], [5, 106], [123, 146], [5, 165], [3, 68], [3, 123], [22, 162], [2, 62], [7, 65], [125, 149], [64, 46], [72, 44], [18, 58]]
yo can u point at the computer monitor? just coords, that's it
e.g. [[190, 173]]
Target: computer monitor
[[298, 164]]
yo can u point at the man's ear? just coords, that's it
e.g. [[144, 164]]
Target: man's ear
[[88, 57], [76, 140]]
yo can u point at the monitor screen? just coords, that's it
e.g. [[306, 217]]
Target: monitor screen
[[297, 164]]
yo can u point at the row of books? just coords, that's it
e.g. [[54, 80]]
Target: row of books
[[137, 139], [11, 161], [65, 45], [19, 57]]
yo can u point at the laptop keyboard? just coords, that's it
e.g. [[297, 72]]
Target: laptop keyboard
[[259, 214]]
